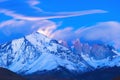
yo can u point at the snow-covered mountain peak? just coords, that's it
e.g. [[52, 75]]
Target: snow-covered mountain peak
[[36, 52], [37, 37]]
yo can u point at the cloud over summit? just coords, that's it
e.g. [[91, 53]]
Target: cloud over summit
[[106, 32], [29, 15]]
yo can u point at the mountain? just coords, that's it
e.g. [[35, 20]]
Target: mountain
[[95, 55], [9, 75], [36, 53]]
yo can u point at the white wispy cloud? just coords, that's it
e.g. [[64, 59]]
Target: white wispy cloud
[[49, 16], [48, 28], [41, 23], [11, 23], [64, 34], [23, 27], [107, 32], [33, 4]]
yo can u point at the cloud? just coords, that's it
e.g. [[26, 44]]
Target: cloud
[[11, 23], [49, 15], [48, 28], [33, 4], [64, 34], [106, 32], [18, 28], [36, 19]]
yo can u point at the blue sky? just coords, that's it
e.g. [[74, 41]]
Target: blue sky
[[83, 19]]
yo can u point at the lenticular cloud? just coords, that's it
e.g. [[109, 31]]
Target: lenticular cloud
[[106, 32]]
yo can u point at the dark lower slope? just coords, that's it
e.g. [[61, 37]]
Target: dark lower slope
[[56, 74], [112, 73], [63, 74], [6, 74]]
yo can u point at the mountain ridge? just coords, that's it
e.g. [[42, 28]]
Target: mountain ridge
[[36, 52]]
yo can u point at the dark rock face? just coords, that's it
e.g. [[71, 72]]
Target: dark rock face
[[101, 52], [97, 51], [6, 74]]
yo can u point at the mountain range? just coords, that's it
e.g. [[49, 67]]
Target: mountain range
[[37, 54]]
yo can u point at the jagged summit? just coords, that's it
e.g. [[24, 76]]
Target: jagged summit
[[36, 52]]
